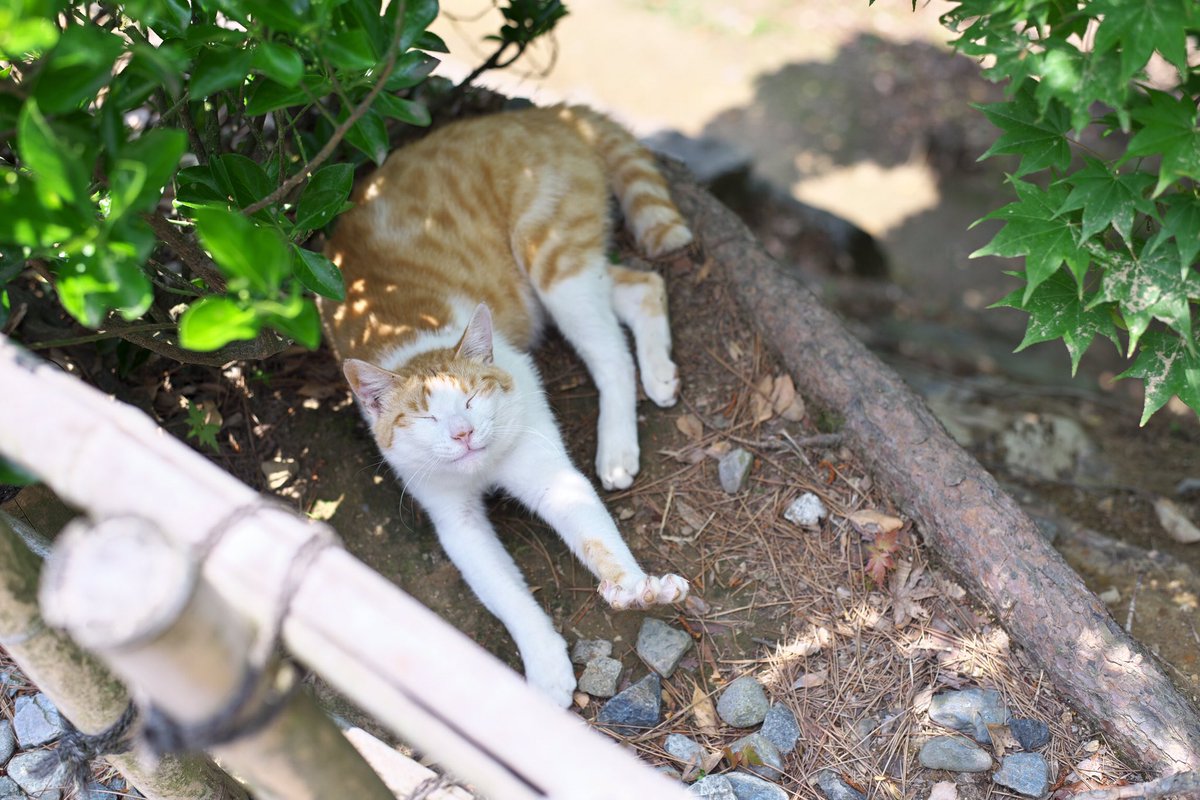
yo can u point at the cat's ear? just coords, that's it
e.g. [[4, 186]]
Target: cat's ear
[[369, 384], [476, 341]]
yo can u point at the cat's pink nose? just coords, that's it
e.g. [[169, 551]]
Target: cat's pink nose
[[461, 429]]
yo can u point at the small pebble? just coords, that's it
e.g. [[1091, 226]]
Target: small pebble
[[734, 470], [600, 677], [781, 728], [1188, 486], [635, 709], [969, 711], [751, 787], [758, 748], [1031, 733], [1110, 596], [683, 749], [955, 754], [586, 650], [743, 704], [8, 742], [713, 787], [23, 768], [833, 787], [807, 511], [36, 721], [661, 646], [1025, 773]]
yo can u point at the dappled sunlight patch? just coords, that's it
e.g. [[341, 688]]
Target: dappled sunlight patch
[[874, 197]]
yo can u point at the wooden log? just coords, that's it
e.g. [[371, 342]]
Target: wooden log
[[421, 678], [82, 689], [979, 531], [181, 646]]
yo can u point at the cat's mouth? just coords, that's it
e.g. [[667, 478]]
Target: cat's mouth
[[470, 455]]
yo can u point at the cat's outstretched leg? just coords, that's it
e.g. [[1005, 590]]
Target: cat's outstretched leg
[[640, 301], [470, 541], [581, 307], [540, 475]]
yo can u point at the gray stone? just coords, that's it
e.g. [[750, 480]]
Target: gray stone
[[8, 742], [9, 790], [760, 755], [36, 721], [683, 749], [807, 511], [833, 787], [781, 728], [24, 769], [955, 754], [743, 704], [1031, 733], [1025, 773], [599, 677], [752, 787], [587, 650], [661, 646], [713, 787], [670, 772], [1187, 487], [734, 470], [1052, 447], [969, 711], [635, 709]]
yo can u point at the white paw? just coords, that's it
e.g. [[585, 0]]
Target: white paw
[[644, 592], [548, 669], [661, 382], [617, 460]]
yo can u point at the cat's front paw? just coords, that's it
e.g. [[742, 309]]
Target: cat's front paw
[[548, 669], [644, 592], [616, 462], [660, 382]]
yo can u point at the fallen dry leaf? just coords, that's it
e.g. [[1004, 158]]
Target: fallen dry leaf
[[695, 605], [718, 449], [690, 426], [872, 523], [811, 680], [786, 402], [689, 515], [761, 406], [581, 699], [1175, 522], [704, 712]]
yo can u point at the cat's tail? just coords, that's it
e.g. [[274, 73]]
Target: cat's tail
[[635, 180]]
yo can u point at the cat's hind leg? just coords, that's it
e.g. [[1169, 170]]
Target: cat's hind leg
[[640, 301]]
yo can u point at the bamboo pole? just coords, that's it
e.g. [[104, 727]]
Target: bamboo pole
[[82, 689], [171, 636], [421, 678]]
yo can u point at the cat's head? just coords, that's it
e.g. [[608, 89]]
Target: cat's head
[[447, 411]]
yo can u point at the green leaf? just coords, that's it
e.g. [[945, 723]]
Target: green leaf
[[411, 68], [318, 274], [1107, 199], [1034, 230], [24, 219], [145, 166], [324, 196], [12, 262], [350, 50], [284, 15], [409, 111], [198, 186], [21, 36], [167, 17], [76, 69], [14, 475], [59, 168], [428, 40], [1139, 27], [217, 69], [1040, 140], [418, 14], [241, 178], [300, 322], [1181, 221], [268, 95], [1145, 288], [370, 136], [1168, 128], [1057, 312], [252, 257], [200, 429], [278, 62], [99, 279], [1168, 367], [213, 322]]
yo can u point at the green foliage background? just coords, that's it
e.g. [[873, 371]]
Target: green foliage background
[[1109, 242]]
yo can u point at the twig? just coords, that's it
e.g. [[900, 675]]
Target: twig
[[108, 333], [188, 251], [339, 132], [1181, 783], [1133, 604]]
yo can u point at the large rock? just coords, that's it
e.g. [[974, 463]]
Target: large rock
[[661, 646], [1031, 733], [9, 790], [955, 754], [1052, 447], [36, 721], [759, 755], [683, 749], [587, 650], [27, 770], [781, 728], [751, 787], [635, 709], [1024, 773], [743, 704], [969, 711], [714, 787], [8, 741]]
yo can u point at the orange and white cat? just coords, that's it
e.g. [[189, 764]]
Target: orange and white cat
[[457, 251]]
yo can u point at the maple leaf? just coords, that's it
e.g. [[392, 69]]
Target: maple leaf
[[1145, 288], [202, 427], [1038, 137], [1138, 29], [881, 555], [1107, 198], [1057, 311], [1181, 221], [1168, 128], [1168, 367], [1033, 229]]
